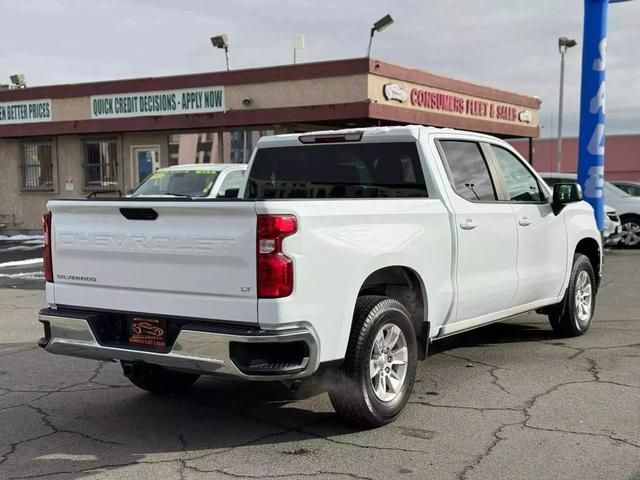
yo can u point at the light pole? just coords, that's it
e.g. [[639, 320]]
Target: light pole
[[380, 25], [564, 44], [222, 41]]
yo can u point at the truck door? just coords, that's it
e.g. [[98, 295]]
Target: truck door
[[486, 234], [542, 236]]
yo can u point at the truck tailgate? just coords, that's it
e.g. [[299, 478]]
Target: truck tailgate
[[183, 258]]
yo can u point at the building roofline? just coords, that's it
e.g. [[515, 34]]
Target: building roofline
[[300, 71]]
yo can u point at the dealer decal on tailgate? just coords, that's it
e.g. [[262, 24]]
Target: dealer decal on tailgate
[[148, 331]]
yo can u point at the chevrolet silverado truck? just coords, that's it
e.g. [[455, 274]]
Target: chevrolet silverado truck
[[346, 251]]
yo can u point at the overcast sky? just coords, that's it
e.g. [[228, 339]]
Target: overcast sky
[[508, 44]]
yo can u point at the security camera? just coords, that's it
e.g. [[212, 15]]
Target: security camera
[[247, 101]]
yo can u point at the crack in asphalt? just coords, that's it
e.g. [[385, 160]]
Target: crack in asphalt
[[580, 350], [593, 369], [319, 473], [494, 443], [492, 370], [15, 352], [464, 407], [46, 420]]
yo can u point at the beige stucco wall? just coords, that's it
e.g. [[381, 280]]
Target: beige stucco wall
[[295, 93], [22, 211]]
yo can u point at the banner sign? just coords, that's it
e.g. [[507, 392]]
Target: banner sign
[[28, 111], [592, 115], [450, 103], [162, 102]]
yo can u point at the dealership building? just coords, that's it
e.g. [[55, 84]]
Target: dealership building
[[70, 141]]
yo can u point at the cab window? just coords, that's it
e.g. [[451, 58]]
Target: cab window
[[521, 185], [469, 172], [231, 182]]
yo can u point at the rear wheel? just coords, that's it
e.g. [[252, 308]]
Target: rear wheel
[[630, 234], [380, 365], [572, 317], [158, 380]]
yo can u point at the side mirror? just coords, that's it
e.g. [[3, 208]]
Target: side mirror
[[564, 193]]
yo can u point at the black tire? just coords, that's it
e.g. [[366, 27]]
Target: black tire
[[352, 394], [565, 319], [158, 380], [630, 222]]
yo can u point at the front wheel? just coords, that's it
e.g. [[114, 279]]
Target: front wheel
[[380, 365], [630, 234], [573, 316]]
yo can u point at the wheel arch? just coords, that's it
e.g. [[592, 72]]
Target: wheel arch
[[590, 247], [404, 284]]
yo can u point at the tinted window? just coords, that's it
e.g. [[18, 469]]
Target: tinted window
[[348, 170], [192, 183], [233, 180], [469, 170], [522, 186]]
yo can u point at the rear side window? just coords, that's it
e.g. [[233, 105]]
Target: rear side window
[[348, 170], [469, 171]]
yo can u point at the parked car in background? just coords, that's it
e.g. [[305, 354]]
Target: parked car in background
[[626, 206], [201, 180], [632, 188], [612, 227], [346, 254]]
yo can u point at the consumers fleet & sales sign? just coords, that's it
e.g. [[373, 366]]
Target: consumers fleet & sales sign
[[29, 111], [157, 103]]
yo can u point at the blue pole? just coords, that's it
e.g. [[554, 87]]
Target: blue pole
[[592, 114]]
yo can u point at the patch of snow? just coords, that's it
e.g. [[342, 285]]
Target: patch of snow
[[24, 275], [18, 263], [21, 248], [17, 238]]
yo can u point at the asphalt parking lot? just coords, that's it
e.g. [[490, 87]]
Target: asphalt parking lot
[[508, 401]]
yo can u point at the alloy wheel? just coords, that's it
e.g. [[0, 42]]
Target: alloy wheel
[[388, 362]]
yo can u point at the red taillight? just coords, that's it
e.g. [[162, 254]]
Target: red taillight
[[46, 252], [275, 269]]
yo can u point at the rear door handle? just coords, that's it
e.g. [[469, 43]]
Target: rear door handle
[[468, 224], [524, 221]]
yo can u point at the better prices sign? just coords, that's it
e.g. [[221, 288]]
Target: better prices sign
[[29, 111], [161, 102]]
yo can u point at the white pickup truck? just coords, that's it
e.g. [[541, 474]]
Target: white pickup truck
[[347, 252]]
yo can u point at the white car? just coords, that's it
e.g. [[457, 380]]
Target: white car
[[198, 180], [347, 253], [612, 227], [626, 206]]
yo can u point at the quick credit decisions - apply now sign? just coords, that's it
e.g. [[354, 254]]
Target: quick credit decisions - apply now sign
[[161, 102]]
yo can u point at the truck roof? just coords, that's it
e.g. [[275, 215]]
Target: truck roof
[[367, 133]]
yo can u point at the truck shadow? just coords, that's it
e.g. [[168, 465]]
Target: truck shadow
[[495, 334]]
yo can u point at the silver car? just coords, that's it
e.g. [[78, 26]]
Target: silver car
[[618, 230]]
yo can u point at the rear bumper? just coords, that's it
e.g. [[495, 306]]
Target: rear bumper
[[194, 350]]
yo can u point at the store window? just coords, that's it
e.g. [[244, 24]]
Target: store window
[[100, 164], [36, 166]]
